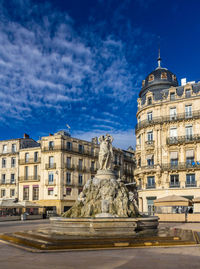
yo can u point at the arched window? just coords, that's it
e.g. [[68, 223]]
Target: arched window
[[164, 75], [151, 77]]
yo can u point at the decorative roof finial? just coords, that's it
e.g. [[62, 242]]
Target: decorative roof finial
[[159, 59]]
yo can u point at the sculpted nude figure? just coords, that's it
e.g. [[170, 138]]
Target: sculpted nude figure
[[106, 152]]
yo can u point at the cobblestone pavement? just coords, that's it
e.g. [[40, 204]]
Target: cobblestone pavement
[[162, 257]]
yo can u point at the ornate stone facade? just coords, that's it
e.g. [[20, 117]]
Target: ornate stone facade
[[167, 139]]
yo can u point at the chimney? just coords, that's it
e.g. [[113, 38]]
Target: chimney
[[26, 136]]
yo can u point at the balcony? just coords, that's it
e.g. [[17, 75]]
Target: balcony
[[174, 185], [81, 168], [150, 186], [190, 184], [29, 161], [180, 166], [50, 166], [50, 183], [149, 144], [183, 139], [69, 167], [29, 178], [166, 119], [8, 182]]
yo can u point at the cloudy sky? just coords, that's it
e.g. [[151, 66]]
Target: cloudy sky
[[81, 63]]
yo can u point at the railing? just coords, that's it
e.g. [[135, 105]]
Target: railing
[[8, 152], [169, 118], [191, 184], [93, 170], [50, 166], [149, 144], [7, 182], [174, 185], [29, 178], [183, 139], [30, 161], [69, 167], [180, 166], [72, 150], [150, 186]]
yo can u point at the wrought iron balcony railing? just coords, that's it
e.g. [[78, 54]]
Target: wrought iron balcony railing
[[30, 161], [174, 185], [50, 166], [151, 186], [190, 184], [29, 178], [169, 118], [183, 139]]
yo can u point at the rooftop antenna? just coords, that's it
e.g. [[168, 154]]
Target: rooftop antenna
[[159, 58]]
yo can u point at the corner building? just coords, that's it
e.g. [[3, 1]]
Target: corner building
[[167, 138]]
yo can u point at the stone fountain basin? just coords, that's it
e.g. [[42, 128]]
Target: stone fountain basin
[[102, 226]]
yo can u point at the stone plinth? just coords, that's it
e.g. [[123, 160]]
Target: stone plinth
[[102, 227], [105, 174]]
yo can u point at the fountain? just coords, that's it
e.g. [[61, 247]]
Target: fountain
[[105, 207]]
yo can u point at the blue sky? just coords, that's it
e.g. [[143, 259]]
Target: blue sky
[[82, 62]]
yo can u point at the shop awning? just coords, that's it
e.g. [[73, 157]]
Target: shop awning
[[172, 200], [9, 203], [28, 204]]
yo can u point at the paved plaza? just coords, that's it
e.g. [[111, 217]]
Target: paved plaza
[[161, 257]]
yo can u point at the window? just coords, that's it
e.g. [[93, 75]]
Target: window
[[151, 77], [26, 172], [115, 158], [92, 151], [92, 165], [26, 157], [13, 162], [173, 132], [35, 171], [150, 160], [4, 148], [149, 101], [190, 157], [150, 136], [80, 179], [172, 96], [173, 113], [36, 193], [68, 162], [14, 148], [26, 193], [68, 176], [190, 180], [51, 177], [51, 145], [69, 145], [80, 148], [151, 182], [174, 77], [149, 116], [51, 162], [174, 181], [3, 162], [139, 140], [36, 156], [12, 180], [174, 159], [50, 191], [3, 193], [80, 164], [188, 132], [12, 193], [188, 111], [139, 162], [3, 178], [188, 93], [164, 75], [68, 191]]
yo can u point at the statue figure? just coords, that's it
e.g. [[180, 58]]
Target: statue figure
[[106, 152]]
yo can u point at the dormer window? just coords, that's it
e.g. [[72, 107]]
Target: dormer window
[[164, 75], [143, 83], [188, 93], [151, 78], [172, 96], [149, 101]]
